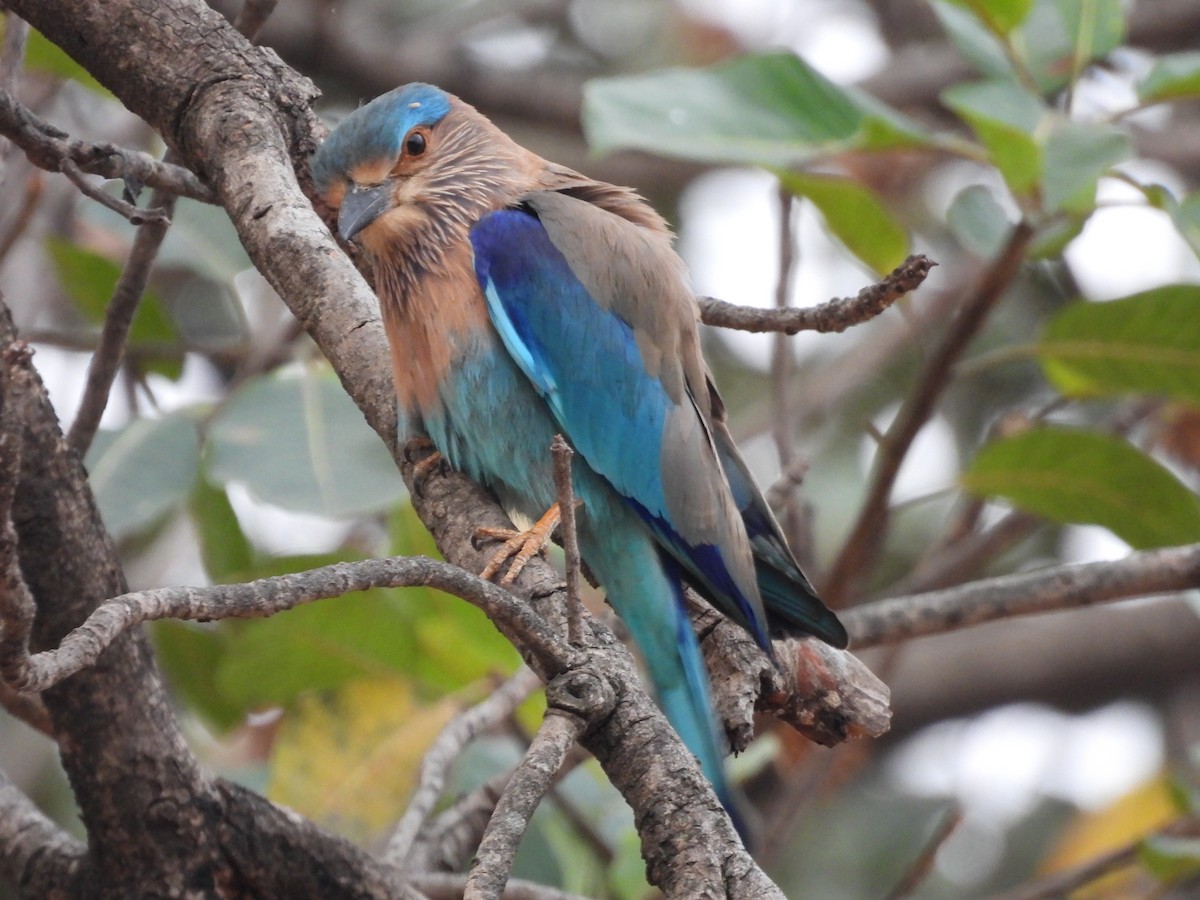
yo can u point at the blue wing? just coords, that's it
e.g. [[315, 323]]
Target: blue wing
[[590, 365]]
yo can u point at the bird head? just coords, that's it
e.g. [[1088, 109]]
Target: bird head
[[413, 159]]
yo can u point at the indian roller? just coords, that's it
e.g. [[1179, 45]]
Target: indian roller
[[522, 299]]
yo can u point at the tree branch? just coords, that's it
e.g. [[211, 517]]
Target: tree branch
[[48, 148], [446, 749], [1064, 587], [36, 856], [858, 554], [832, 316]]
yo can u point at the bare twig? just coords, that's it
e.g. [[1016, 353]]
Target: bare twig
[[1062, 587], [861, 547], [923, 864], [135, 214], [268, 596], [831, 316], [562, 453], [1064, 884], [783, 429], [20, 221], [47, 148], [12, 55], [446, 748], [106, 361], [956, 561], [575, 700]]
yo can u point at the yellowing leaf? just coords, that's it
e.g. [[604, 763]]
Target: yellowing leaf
[[348, 759]]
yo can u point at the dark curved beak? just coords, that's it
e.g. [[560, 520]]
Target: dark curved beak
[[361, 206]]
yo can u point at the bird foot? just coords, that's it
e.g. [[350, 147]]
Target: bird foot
[[423, 467], [417, 446], [519, 546]]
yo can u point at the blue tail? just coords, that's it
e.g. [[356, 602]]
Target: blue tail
[[644, 586]]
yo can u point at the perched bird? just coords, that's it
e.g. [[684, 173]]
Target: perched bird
[[522, 299]]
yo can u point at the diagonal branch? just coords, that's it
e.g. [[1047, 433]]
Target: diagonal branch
[[861, 548], [35, 854]]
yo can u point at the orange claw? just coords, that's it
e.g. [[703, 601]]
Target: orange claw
[[519, 546]]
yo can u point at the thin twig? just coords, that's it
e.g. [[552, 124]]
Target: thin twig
[[833, 315], [106, 361], [1063, 587], [524, 791], [47, 147], [451, 886], [12, 56], [267, 596], [923, 864], [1065, 884], [135, 214], [783, 429], [30, 197], [446, 749], [861, 547], [562, 454]]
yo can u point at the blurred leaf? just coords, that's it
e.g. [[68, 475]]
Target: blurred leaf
[[855, 215], [1075, 156], [1146, 343], [1002, 16], [1079, 477], [1172, 77], [1171, 858], [295, 439], [145, 472], [1061, 36], [1186, 217], [1053, 237], [89, 279], [1005, 117], [43, 56], [224, 548], [978, 46], [1093, 834], [978, 221], [202, 240], [771, 110], [207, 313], [349, 758], [190, 654], [321, 645]]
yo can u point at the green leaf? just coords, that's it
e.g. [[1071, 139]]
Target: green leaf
[[1001, 16], [227, 553], [89, 279], [770, 110], [1080, 477], [145, 472], [978, 221], [1186, 217], [1145, 343], [295, 439], [1170, 858], [1005, 117], [855, 215], [1075, 156], [974, 41], [190, 654], [1060, 37], [321, 645], [43, 56], [1172, 77]]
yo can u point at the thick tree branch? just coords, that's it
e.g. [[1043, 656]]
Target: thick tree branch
[[1064, 587], [36, 856]]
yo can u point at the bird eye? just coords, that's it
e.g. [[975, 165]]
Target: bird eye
[[414, 144]]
